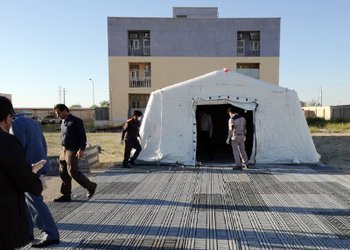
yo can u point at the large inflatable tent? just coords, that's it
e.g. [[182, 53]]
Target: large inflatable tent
[[277, 129]]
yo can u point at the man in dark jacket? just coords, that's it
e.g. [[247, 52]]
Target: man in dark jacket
[[73, 141], [130, 135], [16, 178]]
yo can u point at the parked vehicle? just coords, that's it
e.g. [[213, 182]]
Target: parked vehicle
[[37, 119], [50, 119]]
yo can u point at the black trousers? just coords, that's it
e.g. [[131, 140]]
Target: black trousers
[[204, 135], [129, 145], [68, 170]]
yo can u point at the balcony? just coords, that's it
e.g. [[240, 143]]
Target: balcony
[[139, 43], [248, 43], [140, 82]]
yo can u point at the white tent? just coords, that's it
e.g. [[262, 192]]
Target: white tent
[[281, 134]]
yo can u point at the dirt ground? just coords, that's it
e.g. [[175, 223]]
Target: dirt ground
[[333, 148], [111, 154]]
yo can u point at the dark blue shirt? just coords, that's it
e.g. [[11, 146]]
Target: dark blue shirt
[[73, 136]]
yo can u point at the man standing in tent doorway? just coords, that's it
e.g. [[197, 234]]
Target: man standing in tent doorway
[[236, 133], [206, 131], [130, 135]]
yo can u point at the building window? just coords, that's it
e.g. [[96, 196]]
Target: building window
[[255, 45], [134, 44], [248, 43], [146, 47], [137, 101], [240, 47], [140, 75], [249, 69]]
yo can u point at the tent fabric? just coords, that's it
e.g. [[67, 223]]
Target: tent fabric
[[168, 130]]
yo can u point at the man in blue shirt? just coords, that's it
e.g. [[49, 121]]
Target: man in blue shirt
[[30, 135]]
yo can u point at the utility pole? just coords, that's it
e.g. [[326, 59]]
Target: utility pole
[[59, 94], [64, 96], [321, 96], [93, 91]]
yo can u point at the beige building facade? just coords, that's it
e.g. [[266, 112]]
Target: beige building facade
[[146, 54]]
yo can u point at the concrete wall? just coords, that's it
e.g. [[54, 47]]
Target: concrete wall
[[84, 114], [341, 113], [319, 112], [329, 113]]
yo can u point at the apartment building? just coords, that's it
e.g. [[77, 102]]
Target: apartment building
[[146, 54]]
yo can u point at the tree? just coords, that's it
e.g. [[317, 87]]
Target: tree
[[104, 104], [303, 104], [314, 103]]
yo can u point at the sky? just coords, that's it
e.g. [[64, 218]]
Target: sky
[[51, 46]]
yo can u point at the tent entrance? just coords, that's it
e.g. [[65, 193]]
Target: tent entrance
[[215, 150]]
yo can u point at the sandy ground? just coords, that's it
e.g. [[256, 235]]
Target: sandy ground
[[53, 184], [333, 148]]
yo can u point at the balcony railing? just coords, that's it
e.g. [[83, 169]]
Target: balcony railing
[[146, 51], [249, 53], [141, 82]]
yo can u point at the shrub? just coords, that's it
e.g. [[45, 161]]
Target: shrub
[[316, 122]]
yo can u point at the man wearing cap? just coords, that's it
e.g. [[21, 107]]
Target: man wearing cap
[[130, 135]]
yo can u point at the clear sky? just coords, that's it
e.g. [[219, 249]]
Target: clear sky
[[50, 44]]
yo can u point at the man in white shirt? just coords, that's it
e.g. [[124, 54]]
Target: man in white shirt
[[236, 133], [206, 132]]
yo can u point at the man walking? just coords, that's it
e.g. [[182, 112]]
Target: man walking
[[30, 135], [236, 133], [130, 135], [73, 141]]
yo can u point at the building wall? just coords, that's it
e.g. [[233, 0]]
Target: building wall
[[170, 70], [194, 37], [340, 113], [84, 113], [209, 12], [183, 48], [329, 113], [319, 112]]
